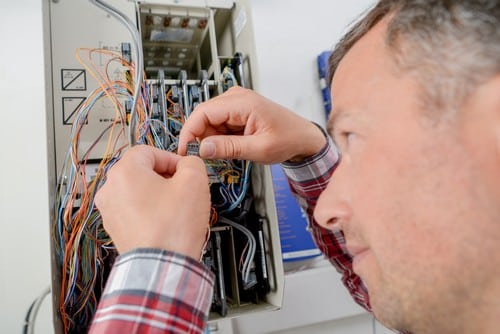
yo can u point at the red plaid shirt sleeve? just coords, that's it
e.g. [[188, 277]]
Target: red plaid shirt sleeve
[[155, 291], [307, 180]]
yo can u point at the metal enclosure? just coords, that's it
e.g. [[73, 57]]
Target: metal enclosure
[[177, 35]]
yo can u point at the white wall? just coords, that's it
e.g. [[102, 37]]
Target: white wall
[[289, 35], [24, 211]]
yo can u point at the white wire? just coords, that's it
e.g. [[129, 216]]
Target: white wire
[[251, 249]]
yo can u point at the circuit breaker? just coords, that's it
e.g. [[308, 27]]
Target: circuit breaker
[[132, 72]]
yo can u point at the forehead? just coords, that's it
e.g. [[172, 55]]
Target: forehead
[[365, 59], [365, 75]]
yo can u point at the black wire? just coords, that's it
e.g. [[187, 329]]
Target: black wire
[[26, 325], [30, 317]]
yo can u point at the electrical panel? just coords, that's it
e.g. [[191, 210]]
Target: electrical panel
[[131, 72]]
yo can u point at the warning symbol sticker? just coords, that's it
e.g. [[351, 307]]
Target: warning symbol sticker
[[73, 79], [70, 106]]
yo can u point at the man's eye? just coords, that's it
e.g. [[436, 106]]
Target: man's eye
[[344, 139], [348, 137]]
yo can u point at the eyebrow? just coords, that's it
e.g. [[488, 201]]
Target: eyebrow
[[334, 116], [340, 114]]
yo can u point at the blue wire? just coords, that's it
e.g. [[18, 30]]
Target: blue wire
[[244, 189]]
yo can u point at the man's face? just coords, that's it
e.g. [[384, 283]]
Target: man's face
[[417, 195]]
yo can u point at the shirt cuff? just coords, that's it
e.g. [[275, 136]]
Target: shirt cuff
[[157, 290], [136, 269], [314, 166]]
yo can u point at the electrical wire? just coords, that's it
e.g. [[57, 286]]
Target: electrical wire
[[30, 318], [244, 188], [81, 245], [247, 265], [137, 45]]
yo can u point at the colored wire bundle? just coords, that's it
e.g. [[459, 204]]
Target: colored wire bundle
[[82, 247]]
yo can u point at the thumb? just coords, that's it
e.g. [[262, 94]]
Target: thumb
[[226, 147], [191, 168]]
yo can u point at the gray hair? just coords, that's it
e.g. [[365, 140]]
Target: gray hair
[[449, 46]]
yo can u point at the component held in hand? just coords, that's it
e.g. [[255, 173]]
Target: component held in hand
[[193, 148]]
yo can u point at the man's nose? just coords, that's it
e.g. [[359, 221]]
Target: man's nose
[[334, 208]]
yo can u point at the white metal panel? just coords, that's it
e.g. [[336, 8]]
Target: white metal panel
[[79, 24], [360, 324], [311, 296]]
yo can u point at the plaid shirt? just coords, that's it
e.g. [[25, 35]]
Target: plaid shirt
[[155, 291]]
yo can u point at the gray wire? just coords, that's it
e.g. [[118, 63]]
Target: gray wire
[[29, 322], [139, 66], [251, 249]]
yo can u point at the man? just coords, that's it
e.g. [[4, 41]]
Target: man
[[416, 195]]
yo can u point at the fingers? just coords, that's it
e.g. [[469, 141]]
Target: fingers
[[233, 147], [167, 213], [194, 127], [221, 115], [162, 162], [191, 170]]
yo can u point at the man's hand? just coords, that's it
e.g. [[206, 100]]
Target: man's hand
[[156, 199], [241, 124]]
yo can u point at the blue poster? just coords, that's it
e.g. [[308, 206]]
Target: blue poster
[[296, 241]]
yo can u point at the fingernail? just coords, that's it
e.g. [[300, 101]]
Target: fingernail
[[207, 149]]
